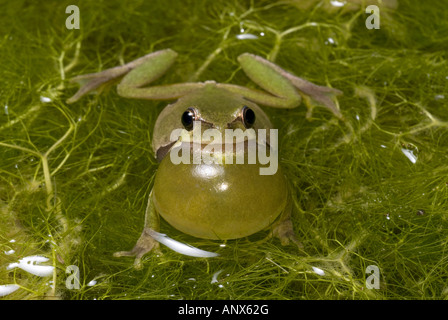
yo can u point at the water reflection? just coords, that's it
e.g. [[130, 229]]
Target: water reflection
[[208, 171], [409, 154], [318, 271], [215, 276], [180, 247], [8, 289], [31, 264]]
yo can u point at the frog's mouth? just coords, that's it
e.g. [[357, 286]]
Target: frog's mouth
[[163, 151], [212, 146], [243, 149]]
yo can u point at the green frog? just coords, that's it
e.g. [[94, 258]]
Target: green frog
[[212, 200]]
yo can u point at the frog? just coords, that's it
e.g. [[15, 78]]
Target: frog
[[218, 200]]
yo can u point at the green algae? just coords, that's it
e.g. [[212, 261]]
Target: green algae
[[75, 179]]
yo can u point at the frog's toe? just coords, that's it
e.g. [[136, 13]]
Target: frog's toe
[[145, 244], [285, 232]]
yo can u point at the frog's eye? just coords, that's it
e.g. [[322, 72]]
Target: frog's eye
[[188, 118], [248, 117]]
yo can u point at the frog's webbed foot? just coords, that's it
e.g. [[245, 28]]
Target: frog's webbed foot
[[283, 228], [285, 232], [134, 74], [144, 244], [314, 94], [286, 89], [95, 82]]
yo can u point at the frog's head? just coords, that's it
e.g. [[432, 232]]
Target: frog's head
[[215, 108]]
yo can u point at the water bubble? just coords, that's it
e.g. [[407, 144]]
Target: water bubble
[[246, 36], [31, 264], [181, 247], [318, 271], [215, 276], [91, 283], [330, 41], [409, 154], [44, 99], [6, 289], [420, 212], [336, 3]]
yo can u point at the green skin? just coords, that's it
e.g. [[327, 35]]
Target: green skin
[[200, 205]]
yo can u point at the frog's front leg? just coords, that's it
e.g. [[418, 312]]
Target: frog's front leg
[[134, 75], [283, 228], [282, 86], [146, 242]]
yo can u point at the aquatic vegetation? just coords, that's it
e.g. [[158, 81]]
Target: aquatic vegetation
[[369, 190]]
